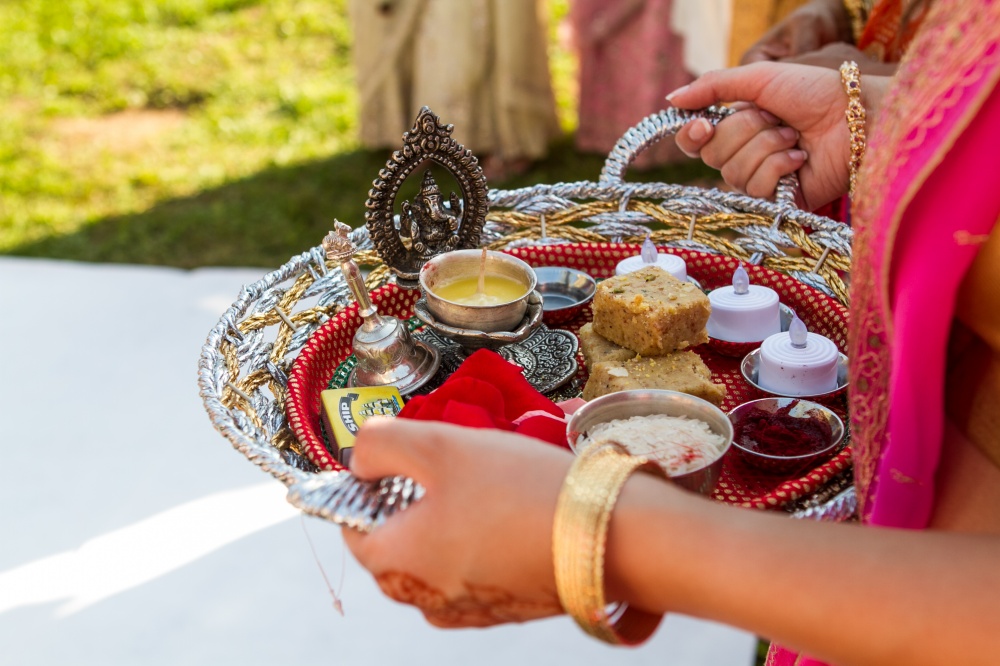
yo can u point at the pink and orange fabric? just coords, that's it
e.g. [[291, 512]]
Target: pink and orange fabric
[[926, 205]]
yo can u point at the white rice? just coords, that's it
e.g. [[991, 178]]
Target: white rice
[[678, 443]]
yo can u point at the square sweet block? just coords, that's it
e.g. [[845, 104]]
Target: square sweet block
[[597, 349], [682, 371], [651, 312]]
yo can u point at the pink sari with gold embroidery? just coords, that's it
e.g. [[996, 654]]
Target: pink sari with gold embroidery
[[930, 185]]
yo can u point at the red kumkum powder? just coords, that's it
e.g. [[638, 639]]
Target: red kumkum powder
[[780, 434]]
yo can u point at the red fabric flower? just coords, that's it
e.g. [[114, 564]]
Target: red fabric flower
[[488, 392]]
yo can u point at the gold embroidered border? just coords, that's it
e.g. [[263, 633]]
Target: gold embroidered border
[[955, 47]]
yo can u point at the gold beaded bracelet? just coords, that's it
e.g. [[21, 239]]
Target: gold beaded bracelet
[[579, 533], [851, 78]]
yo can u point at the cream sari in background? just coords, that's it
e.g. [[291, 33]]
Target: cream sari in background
[[481, 65], [706, 26]]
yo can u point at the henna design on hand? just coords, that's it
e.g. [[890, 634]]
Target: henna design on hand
[[479, 606]]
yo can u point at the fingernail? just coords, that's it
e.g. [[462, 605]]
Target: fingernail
[[798, 155], [769, 117], [788, 133], [679, 91], [699, 129]]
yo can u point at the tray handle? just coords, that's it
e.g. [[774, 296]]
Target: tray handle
[[343, 499], [666, 123]]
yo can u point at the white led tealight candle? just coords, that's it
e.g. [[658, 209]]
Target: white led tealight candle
[[743, 312], [798, 363], [650, 257]]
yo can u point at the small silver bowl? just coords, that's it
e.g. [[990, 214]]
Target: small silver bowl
[[565, 292], [750, 369], [626, 404], [458, 264], [777, 462]]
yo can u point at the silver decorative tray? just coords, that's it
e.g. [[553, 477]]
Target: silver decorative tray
[[272, 319]]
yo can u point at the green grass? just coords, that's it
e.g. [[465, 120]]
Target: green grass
[[197, 132]]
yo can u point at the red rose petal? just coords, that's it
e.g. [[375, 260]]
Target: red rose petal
[[546, 428], [469, 390], [519, 395], [473, 416]]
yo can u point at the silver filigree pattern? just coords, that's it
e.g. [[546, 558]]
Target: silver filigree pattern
[[548, 357]]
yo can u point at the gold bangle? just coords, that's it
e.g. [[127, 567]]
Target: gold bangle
[[579, 534], [851, 77]]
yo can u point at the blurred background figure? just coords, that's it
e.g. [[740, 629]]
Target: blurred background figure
[[752, 19], [629, 58], [632, 53], [481, 65], [706, 26], [825, 33]]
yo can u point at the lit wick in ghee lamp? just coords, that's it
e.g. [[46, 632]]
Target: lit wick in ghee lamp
[[483, 289], [477, 291], [743, 312], [648, 256], [798, 363]]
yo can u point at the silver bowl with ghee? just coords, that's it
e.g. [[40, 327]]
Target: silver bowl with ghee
[[450, 285]]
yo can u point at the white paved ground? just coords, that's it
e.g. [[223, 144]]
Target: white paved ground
[[132, 533]]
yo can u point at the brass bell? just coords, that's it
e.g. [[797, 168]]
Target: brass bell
[[386, 352]]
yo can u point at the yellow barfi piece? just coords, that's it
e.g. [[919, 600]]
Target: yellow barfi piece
[[651, 312], [597, 349], [679, 371]]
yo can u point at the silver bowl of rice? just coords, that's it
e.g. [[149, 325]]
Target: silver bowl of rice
[[687, 436]]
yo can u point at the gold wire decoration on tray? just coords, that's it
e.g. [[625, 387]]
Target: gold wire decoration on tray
[[801, 253]]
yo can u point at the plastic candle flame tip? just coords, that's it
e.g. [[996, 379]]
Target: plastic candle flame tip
[[798, 333], [649, 254], [741, 281]]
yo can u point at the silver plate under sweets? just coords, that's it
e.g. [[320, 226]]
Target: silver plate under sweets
[[750, 368], [547, 356]]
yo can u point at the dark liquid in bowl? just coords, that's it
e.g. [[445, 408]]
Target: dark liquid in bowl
[[780, 434], [556, 301]]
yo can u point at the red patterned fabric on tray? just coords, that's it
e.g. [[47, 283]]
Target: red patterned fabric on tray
[[330, 346]]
